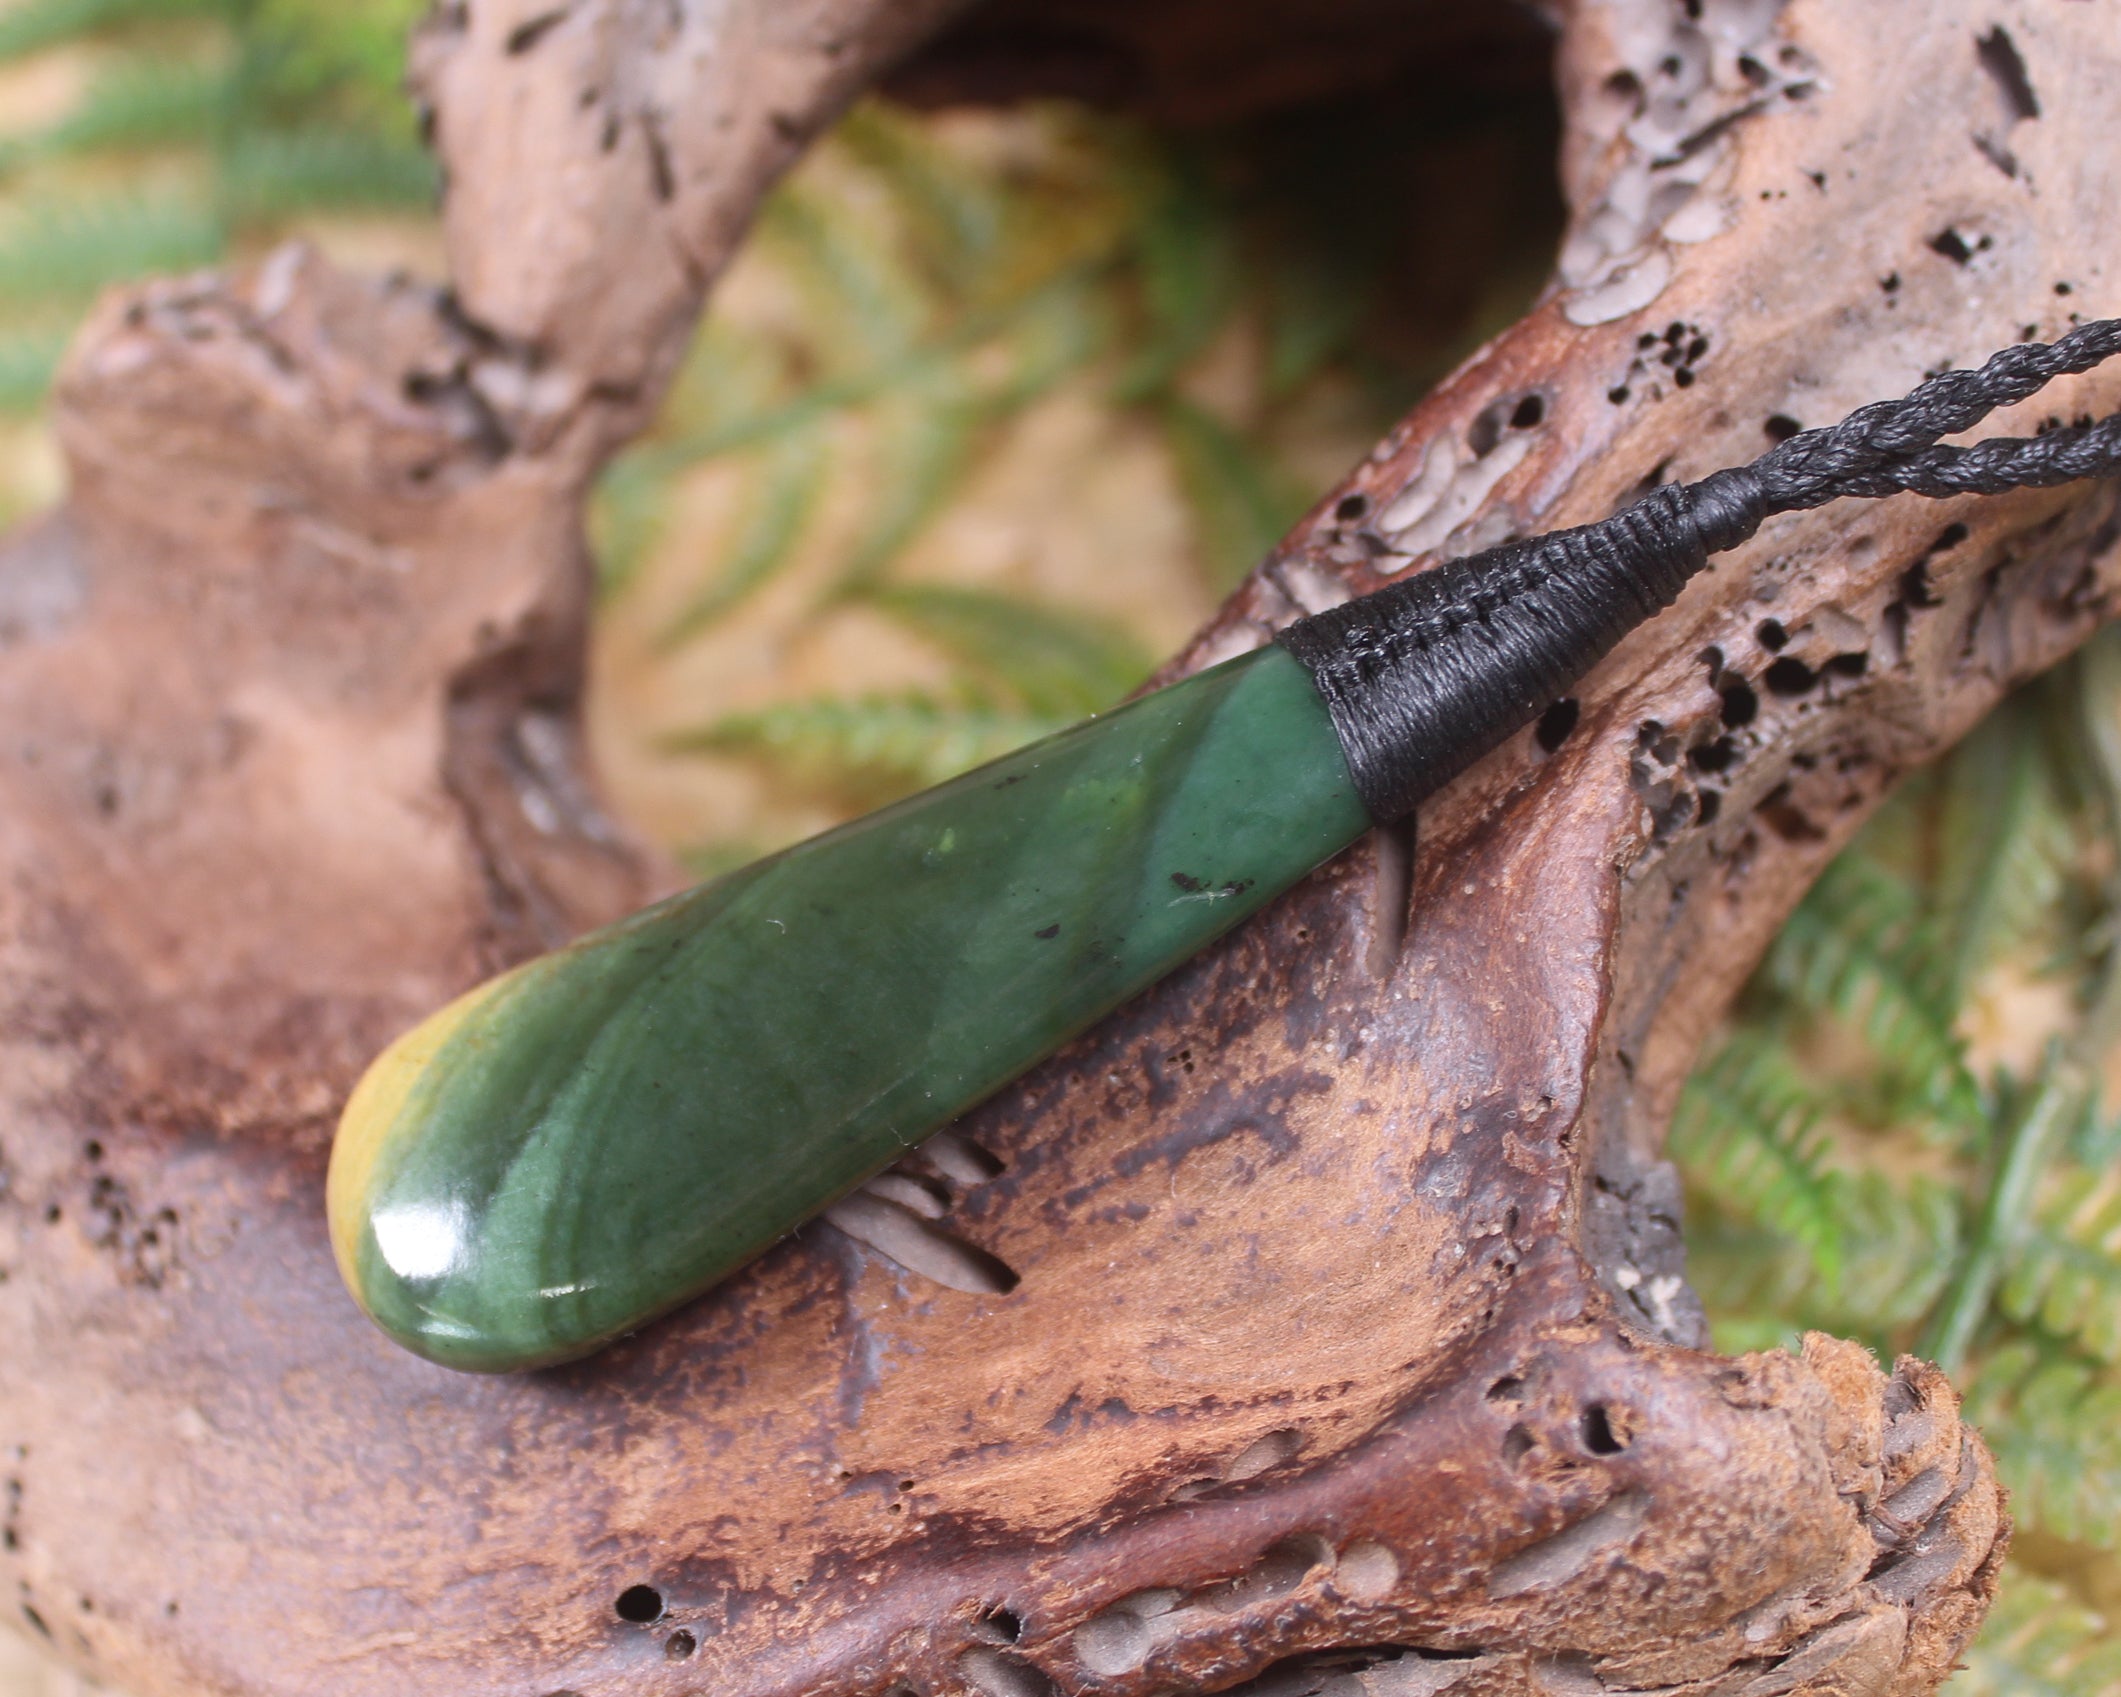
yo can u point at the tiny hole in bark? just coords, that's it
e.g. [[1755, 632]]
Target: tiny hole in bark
[[1267, 1451], [528, 34], [2006, 68], [1740, 704], [1557, 722], [1486, 429], [1599, 1434], [680, 1645], [1780, 427], [1772, 636], [1713, 756], [1789, 676], [640, 1603], [1000, 1626], [1349, 508], [1786, 820], [998, 1675]]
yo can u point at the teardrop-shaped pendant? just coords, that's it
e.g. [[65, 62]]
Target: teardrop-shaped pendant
[[586, 1141], [591, 1139]]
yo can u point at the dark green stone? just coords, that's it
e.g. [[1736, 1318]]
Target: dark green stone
[[619, 1125]]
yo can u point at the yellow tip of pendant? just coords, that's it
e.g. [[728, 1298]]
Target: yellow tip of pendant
[[374, 1110]]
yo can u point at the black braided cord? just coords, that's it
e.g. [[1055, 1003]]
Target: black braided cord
[[1428, 674]]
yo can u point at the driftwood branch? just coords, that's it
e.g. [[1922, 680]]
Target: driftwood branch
[[1352, 1346]]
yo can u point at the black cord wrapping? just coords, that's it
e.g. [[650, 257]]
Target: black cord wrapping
[[1428, 674]]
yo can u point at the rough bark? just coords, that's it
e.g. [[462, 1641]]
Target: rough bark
[[1351, 1310]]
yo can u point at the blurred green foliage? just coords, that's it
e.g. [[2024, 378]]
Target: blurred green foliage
[[945, 291], [200, 126], [1852, 1167]]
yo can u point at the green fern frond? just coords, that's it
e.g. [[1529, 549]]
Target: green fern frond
[[2064, 1275], [1186, 256], [330, 63], [867, 306], [626, 518], [30, 26], [2054, 1422], [1316, 298], [1241, 502], [959, 218], [2095, 1140], [1048, 335], [926, 440], [2005, 844], [729, 377], [1747, 1131], [267, 175], [54, 254], [1061, 664], [2040, 1641], [950, 358], [1860, 948], [791, 479], [27, 361], [134, 104], [1901, 1239], [872, 749]]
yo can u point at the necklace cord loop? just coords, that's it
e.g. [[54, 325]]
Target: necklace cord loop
[[1429, 673]]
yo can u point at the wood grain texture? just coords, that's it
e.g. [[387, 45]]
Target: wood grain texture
[[1352, 1309]]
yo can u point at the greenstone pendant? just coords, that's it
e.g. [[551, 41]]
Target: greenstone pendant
[[589, 1140]]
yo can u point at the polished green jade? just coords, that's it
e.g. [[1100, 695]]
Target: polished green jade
[[589, 1140]]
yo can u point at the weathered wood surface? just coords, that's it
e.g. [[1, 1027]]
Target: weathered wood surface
[[1351, 1308]]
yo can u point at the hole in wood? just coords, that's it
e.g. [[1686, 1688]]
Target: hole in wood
[[997, 1674], [1557, 722], [1555, 1560], [1270, 1450], [999, 1626], [1601, 1434], [1367, 1570], [1789, 676]]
